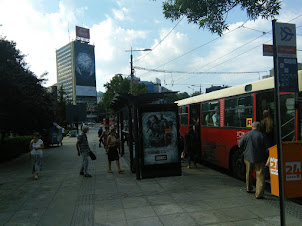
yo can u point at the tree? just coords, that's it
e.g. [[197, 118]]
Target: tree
[[120, 85], [196, 93], [212, 14], [25, 104], [60, 107], [177, 96]]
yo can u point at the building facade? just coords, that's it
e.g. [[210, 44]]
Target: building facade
[[76, 74]]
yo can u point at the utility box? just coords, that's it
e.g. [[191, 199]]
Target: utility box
[[292, 175]]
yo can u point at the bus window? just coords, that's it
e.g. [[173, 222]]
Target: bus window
[[287, 109], [184, 115], [194, 114], [210, 114], [238, 110]]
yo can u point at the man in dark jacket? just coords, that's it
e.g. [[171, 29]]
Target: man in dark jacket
[[254, 158]]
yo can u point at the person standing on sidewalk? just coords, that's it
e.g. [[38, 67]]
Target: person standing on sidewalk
[[104, 136], [191, 146], [83, 149], [254, 159], [36, 146], [113, 155]]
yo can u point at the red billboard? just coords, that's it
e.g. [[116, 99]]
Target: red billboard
[[82, 32]]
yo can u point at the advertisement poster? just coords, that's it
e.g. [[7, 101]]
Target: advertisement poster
[[84, 65], [159, 137]]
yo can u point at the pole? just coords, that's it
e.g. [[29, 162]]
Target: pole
[[278, 129], [130, 139], [136, 141], [131, 73]]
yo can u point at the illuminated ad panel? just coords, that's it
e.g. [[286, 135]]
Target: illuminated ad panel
[[159, 138], [84, 69]]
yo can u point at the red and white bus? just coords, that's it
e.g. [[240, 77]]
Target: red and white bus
[[237, 107]]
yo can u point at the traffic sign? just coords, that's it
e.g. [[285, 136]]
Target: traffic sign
[[286, 40]]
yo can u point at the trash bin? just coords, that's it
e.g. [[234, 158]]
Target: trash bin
[[73, 133], [292, 160]]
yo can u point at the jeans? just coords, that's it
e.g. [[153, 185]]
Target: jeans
[[36, 157], [84, 167]]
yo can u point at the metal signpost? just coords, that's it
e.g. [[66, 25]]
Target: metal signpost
[[286, 80]]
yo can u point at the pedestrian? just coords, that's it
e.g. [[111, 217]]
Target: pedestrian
[[267, 125], [104, 136], [113, 155], [100, 131], [191, 146], [254, 159], [36, 146], [83, 149]]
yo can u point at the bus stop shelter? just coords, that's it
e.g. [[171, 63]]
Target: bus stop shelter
[[133, 104]]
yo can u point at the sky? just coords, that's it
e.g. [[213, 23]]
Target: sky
[[39, 27]]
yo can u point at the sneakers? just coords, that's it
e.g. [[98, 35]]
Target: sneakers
[[87, 175], [36, 176], [188, 167]]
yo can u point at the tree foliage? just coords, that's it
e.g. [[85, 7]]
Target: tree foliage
[[177, 96], [25, 104], [120, 85], [212, 14]]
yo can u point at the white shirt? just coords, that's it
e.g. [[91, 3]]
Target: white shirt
[[36, 145]]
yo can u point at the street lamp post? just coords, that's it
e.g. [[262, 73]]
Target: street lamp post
[[131, 65], [135, 112]]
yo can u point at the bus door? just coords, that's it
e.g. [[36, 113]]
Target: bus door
[[265, 101], [288, 117], [194, 114], [195, 120]]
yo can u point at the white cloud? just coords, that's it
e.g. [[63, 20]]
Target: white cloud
[[120, 14]]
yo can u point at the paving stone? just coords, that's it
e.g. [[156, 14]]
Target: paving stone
[[168, 209], [63, 197], [156, 200], [194, 206], [135, 202], [140, 212], [109, 204], [147, 221], [208, 217], [179, 219]]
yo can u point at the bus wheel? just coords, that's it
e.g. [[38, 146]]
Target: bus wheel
[[238, 166]]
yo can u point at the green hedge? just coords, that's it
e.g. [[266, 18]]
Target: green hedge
[[12, 147]]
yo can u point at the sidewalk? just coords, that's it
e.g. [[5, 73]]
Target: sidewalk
[[62, 197]]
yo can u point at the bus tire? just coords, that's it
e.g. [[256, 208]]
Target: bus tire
[[237, 164]]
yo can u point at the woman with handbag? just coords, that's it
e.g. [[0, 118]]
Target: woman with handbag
[[36, 146], [113, 155]]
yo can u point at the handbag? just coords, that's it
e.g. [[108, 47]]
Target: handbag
[[92, 155], [183, 155]]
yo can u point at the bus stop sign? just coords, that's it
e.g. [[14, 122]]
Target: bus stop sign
[[287, 57]]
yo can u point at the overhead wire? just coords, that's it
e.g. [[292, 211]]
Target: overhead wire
[[226, 54], [202, 45], [237, 55], [160, 40]]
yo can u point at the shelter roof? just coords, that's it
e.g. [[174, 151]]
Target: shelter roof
[[121, 101]]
